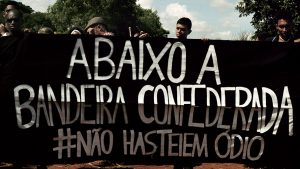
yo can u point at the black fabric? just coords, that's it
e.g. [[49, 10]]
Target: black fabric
[[40, 65]]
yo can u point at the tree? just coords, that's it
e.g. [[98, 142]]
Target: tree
[[149, 22], [119, 15], [264, 12], [68, 13], [36, 20]]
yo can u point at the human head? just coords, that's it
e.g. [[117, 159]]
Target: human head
[[183, 28], [284, 26], [9, 5], [45, 30], [13, 21], [28, 30], [96, 26], [75, 31]]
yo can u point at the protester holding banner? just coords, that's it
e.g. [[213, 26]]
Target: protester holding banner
[[183, 28], [9, 6], [13, 23], [97, 26], [284, 27]]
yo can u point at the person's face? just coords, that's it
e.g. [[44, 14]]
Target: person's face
[[284, 28], [7, 9], [182, 31], [98, 29], [13, 21]]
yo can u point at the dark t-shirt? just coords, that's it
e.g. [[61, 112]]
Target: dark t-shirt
[[276, 38]]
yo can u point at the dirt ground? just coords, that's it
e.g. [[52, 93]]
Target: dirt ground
[[101, 165]]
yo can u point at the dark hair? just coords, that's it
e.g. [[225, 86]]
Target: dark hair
[[283, 15], [185, 21], [46, 30], [17, 12], [14, 3]]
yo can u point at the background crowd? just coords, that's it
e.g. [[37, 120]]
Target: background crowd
[[13, 26]]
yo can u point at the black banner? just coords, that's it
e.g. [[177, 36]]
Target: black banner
[[158, 100]]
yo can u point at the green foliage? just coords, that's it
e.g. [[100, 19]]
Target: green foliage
[[264, 12], [119, 15], [68, 13], [37, 20], [149, 22]]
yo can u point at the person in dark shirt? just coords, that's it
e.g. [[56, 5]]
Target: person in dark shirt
[[13, 23], [284, 27], [9, 5]]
